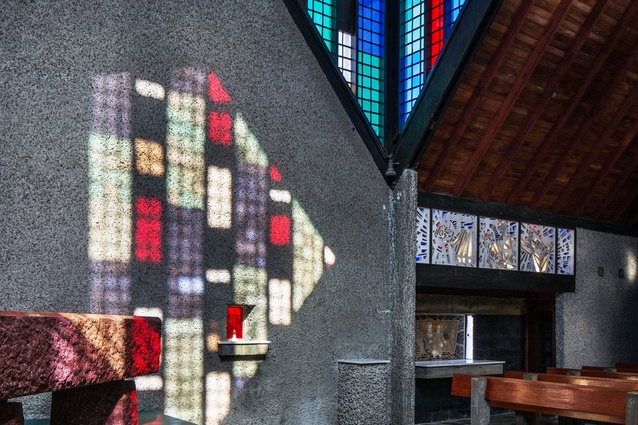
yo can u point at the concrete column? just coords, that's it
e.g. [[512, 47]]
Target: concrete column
[[362, 392], [403, 293]]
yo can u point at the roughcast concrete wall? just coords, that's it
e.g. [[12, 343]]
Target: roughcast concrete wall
[[596, 325], [92, 221]]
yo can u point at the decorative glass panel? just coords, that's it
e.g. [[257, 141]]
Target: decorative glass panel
[[423, 235], [537, 248], [498, 244], [453, 238], [565, 251]]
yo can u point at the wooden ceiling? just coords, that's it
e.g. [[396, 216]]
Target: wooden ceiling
[[546, 116]]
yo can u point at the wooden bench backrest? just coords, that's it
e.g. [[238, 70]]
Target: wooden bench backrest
[[621, 384], [568, 400], [593, 373]]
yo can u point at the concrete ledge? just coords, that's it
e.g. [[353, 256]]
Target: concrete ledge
[[434, 369], [44, 352], [242, 348]]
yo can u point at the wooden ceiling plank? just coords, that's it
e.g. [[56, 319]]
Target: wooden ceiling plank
[[547, 94], [606, 169], [594, 151], [619, 75], [486, 81], [512, 96], [628, 201], [628, 16], [613, 190]]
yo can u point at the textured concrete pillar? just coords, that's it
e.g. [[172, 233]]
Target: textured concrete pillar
[[11, 413], [111, 403], [403, 293], [479, 407], [631, 414], [362, 394]]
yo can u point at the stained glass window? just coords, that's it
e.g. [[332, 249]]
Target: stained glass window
[[498, 244], [565, 251], [453, 238], [537, 248], [423, 235]]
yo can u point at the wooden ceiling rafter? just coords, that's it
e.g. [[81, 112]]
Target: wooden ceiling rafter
[[472, 105], [611, 194], [557, 128], [607, 168], [518, 86], [548, 93], [559, 165], [595, 150], [627, 202]]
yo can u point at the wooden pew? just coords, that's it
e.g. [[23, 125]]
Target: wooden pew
[[593, 373], [621, 384], [85, 360], [550, 398]]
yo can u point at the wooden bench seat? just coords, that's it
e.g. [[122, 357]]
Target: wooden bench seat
[[596, 403], [623, 384], [593, 373], [85, 360]]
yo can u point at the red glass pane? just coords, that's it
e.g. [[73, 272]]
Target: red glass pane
[[235, 325], [435, 31]]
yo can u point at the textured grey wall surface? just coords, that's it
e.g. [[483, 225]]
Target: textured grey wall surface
[[53, 53], [596, 325]]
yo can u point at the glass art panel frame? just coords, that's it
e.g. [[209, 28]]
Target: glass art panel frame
[[453, 238], [498, 244], [537, 248], [423, 235], [565, 247]]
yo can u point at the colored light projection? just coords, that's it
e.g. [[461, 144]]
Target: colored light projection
[[425, 25], [537, 248], [190, 210], [453, 238], [423, 235], [498, 244]]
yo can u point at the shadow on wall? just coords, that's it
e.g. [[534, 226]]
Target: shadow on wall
[[188, 221]]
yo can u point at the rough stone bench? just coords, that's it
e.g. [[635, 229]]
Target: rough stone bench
[[83, 359]]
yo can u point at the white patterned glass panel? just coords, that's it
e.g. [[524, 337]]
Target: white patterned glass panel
[[498, 244], [453, 238], [537, 248], [423, 235], [565, 251]]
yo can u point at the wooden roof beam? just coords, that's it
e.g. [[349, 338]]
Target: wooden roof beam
[[613, 190], [606, 169], [512, 96], [619, 75], [628, 201], [486, 81], [594, 151], [628, 16], [547, 94]]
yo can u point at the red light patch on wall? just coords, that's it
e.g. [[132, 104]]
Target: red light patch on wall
[[148, 230], [216, 92], [235, 323], [275, 175], [280, 230], [219, 128]]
